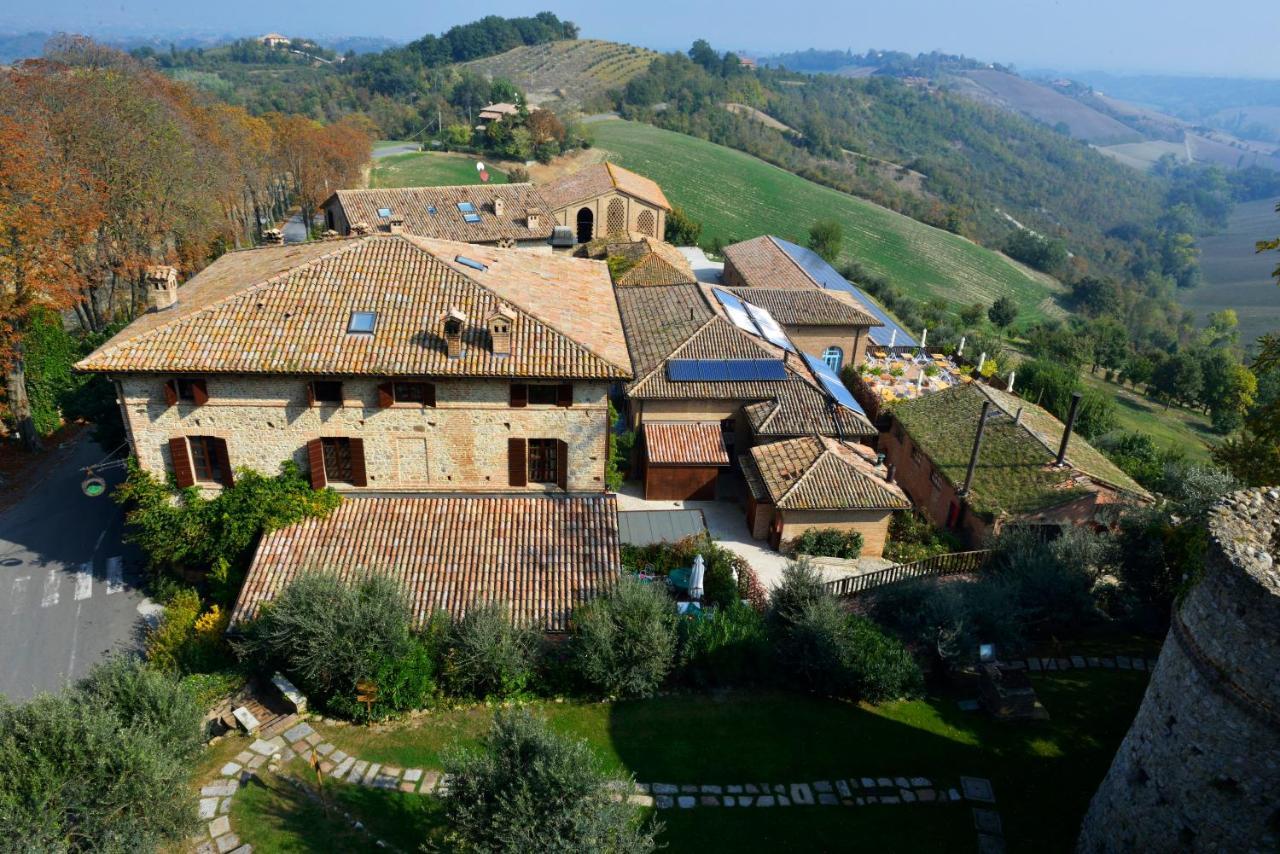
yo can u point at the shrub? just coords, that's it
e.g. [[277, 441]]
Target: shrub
[[801, 586], [328, 634], [624, 642], [880, 667], [947, 620], [187, 640], [488, 656], [729, 646], [826, 542], [1051, 582], [145, 700], [913, 538], [829, 652], [531, 789], [408, 681], [722, 564]]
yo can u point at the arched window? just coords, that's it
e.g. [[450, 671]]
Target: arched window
[[616, 220], [586, 225], [834, 357], [645, 223]]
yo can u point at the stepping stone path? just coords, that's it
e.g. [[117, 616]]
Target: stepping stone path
[[1076, 662]]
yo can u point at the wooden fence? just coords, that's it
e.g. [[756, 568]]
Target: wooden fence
[[956, 563]]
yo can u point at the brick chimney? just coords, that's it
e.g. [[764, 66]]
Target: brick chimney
[[499, 206], [532, 218], [454, 321], [499, 323], [273, 236], [163, 290], [396, 224]]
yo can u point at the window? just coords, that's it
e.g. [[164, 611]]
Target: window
[[471, 218], [542, 395], [470, 262], [326, 391], [544, 461], [466, 207], [205, 462], [834, 357], [384, 212], [200, 459], [411, 392], [186, 390], [362, 322], [337, 460]]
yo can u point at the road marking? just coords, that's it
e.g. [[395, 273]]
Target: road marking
[[18, 590], [75, 634], [115, 575], [51, 594], [84, 581]]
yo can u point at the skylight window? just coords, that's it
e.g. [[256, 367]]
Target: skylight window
[[470, 262], [431, 209], [362, 322], [384, 212], [466, 207], [471, 217]]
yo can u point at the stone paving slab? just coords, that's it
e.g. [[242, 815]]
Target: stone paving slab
[[1077, 661], [208, 807], [413, 775], [243, 757], [219, 826], [325, 749], [314, 739], [987, 821], [262, 748], [221, 789], [344, 766], [231, 769], [686, 801], [371, 773], [430, 780], [663, 802], [298, 732], [357, 771], [227, 842]]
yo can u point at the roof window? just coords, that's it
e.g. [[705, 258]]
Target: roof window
[[471, 217], [466, 207], [384, 212], [470, 262], [362, 322], [431, 209]]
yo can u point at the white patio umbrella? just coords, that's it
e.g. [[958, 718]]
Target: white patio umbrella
[[696, 576]]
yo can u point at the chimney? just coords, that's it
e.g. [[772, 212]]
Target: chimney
[[453, 323], [1066, 433], [977, 446], [499, 206], [1012, 375], [163, 292], [1017, 419], [273, 235], [890, 472], [532, 218], [396, 224], [361, 228], [499, 324]]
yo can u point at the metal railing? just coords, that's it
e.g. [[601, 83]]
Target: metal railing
[[955, 563]]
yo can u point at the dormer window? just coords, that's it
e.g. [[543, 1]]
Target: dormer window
[[362, 323]]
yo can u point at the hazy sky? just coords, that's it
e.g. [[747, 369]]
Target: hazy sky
[[1237, 37]]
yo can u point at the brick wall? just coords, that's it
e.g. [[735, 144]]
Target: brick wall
[[460, 445], [815, 340], [872, 524], [932, 494], [599, 207]]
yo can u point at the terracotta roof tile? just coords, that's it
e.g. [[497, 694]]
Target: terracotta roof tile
[[598, 179], [800, 409], [415, 205], [763, 264], [282, 310], [820, 473], [806, 307], [685, 443], [657, 320], [540, 556], [654, 264]]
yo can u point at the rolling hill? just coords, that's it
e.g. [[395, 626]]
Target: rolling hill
[[1044, 104], [570, 71], [736, 196], [1235, 276]]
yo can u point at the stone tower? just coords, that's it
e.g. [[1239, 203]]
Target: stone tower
[[1200, 768]]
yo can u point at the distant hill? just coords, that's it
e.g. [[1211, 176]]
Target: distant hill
[[17, 46], [570, 71], [1045, 105]]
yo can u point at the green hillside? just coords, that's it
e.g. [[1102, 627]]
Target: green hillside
[[573, 70], [736, 196], [427, 169]]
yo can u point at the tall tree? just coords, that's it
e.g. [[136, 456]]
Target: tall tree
[[825, 238], [1003, 312]]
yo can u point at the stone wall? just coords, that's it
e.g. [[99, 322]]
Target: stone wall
[[599, 207], [459, 445], [872, 524], [1200, 768]]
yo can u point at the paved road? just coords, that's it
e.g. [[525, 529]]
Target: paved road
[[66, 592]]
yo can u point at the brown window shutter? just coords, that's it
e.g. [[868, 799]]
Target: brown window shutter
[[311, 394], [182, 470], [386, 396], [564, 394], [200, 392], [224, 462], [358, 476], [315, 457], [562, 464], [171, 392], [519, 394], [517, 462], [430, 396]]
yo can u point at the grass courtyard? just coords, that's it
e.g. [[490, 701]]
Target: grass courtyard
[[428, 169], [1043, 773]]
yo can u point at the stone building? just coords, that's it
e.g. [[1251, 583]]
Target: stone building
[[1199, 769], [605, 200], [378, 363], [505, 215], [1023, 472]]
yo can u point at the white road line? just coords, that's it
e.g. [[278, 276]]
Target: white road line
[[17, 592], [51, 593], [84, 581], [75, 634], [115, 575]]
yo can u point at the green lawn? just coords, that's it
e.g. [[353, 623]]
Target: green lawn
[[1172, 428], [1043, 774], [427, 169], [736, 196]]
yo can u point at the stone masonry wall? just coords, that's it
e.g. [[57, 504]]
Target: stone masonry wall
[[1200, 768], [460, 445]]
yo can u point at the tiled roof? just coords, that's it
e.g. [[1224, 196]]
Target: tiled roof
[[657, 320], [812, 307], [1015, 472], [800, 409], [285, 310], [598, 179], [689, 443], [763, 264], [654, 264], [717, 338], [541, 556], [415, 205], [819, 473]]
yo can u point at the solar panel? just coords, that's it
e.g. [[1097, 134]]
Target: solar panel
[[736, 311], [470, 262], [726, 370], [466, 207], [471, 217], [835, 388], [769, 327]]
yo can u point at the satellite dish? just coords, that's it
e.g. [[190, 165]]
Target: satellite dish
[[480, 167], [93, 486]]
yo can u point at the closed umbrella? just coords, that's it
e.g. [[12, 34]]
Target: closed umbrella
[[695, 578]]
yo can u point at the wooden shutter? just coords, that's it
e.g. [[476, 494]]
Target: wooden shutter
[[519, 394], [182, 470], [562, 464], [315, 457], [564, 394], [517, 462], [171, 392], [386, 395], [358, 476], [224, 462], [429, 395], [311, 394], [199, 392]]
